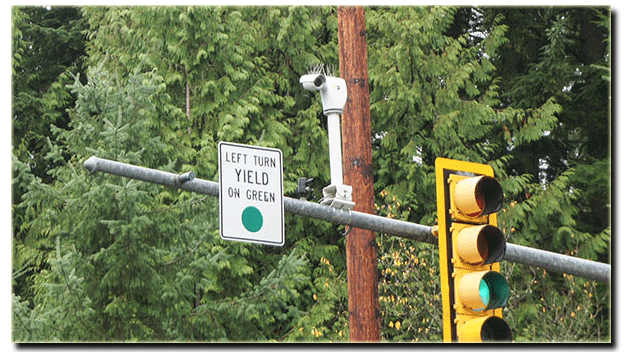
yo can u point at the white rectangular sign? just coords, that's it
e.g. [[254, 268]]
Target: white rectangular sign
[[251, 194]]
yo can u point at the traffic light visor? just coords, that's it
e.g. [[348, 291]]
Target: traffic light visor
[[479, 245], [478, 196]]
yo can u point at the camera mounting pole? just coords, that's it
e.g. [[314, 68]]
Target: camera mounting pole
[[334, 94]]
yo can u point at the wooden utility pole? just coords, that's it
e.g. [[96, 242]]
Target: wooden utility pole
[[361, 245]]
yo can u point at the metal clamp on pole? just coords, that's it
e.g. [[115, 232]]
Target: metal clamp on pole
[[188, 176], [334, 94], [338, 196]]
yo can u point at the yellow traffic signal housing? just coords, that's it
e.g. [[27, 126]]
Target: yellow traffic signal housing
[[471, 247]]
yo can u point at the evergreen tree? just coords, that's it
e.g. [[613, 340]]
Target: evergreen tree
[[47, 47]]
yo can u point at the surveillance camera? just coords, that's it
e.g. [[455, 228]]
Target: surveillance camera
[[313, 82], [332, 89], [334, 95]]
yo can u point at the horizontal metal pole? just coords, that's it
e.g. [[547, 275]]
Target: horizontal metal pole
[[398, 228], [558, 262], [514, 253], [361, 220], [94, 164]]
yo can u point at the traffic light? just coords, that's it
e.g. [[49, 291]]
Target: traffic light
[[471, 247]]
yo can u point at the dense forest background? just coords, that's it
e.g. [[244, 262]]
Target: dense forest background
[[103, 258]]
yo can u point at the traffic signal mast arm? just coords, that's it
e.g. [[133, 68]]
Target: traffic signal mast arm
[[550, 261], [404, 229]]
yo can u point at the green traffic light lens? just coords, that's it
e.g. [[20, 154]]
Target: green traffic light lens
[[498, 290], [484, 292]]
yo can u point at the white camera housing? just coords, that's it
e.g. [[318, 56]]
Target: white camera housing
[[332, 91], [334, 95]]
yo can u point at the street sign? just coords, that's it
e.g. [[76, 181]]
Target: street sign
[[251, 194]]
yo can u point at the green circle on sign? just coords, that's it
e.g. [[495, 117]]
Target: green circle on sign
[[252, 219]]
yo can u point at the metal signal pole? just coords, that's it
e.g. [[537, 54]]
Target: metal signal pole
[[361, 251], [554, 262]]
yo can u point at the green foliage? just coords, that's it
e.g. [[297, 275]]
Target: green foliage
[[409, 290], [103, 258], [264, 311], [47, 47], [327, 319], [62, 307]]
